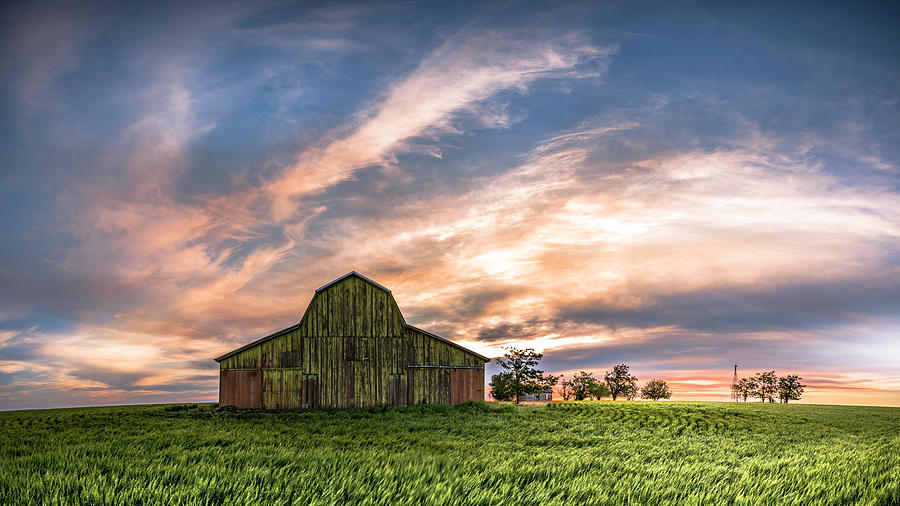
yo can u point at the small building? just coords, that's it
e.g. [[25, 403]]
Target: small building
[[545, 395], [351, 348]]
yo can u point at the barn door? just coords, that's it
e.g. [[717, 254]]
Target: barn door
[[398, 357], [311, 391], [240, 388], [397, 390], [466, 385]]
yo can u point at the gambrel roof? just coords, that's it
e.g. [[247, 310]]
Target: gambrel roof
[[351, 273], [329, 284]]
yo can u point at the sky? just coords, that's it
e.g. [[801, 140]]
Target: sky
[[679, 186]]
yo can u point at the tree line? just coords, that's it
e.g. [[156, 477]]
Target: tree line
[[767, 387], [616, 383], [522, 377]]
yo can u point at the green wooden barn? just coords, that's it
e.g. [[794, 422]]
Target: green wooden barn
[[352, 348]]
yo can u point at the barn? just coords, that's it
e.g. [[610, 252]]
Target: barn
[[352, 348]]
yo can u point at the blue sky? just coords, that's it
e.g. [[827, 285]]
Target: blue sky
[[678, 185]]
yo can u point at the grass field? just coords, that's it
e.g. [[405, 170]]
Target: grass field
[[566, 453]]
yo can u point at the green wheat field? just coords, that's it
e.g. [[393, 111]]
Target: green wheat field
[[477, 453]]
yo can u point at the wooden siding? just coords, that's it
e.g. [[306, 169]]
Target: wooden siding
[[352, 348], [282, 388], [426, 350], [353, 307], [430, 384], [239, 388], [466, 385]]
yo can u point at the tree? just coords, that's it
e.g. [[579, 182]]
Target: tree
[[620, 382], [525, 377], [582, 384], [571, 389], [599, 390], [745, 388], [501, 387], [656, 389], [789, 388], [631, 392], [565, 390], [766, 386]]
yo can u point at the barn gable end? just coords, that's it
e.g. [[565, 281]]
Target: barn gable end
[[351, 348], [353, 305]]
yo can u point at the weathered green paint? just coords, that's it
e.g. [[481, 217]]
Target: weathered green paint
[[352, 348]]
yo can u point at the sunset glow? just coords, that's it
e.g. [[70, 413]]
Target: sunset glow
[[673, 188]]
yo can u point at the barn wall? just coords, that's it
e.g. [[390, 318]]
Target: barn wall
[[353, 307], [281, 351], [427, 350], [435, 385], [353, 349]]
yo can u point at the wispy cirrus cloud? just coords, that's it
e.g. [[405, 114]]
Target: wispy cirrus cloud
[[168, 240], [457, 77]]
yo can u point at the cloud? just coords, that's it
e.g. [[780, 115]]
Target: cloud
[[776, 305], [560, 252], [565, 251], [457, 77], [190, 254], [91, 364], [203, 253]]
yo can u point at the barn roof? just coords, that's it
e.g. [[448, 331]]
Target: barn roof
[[351, 273], [326, 285], [451, 343], [258, 341]]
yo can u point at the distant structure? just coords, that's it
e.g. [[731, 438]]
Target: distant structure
[[545, 395], [735, 394], [352, 348]]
